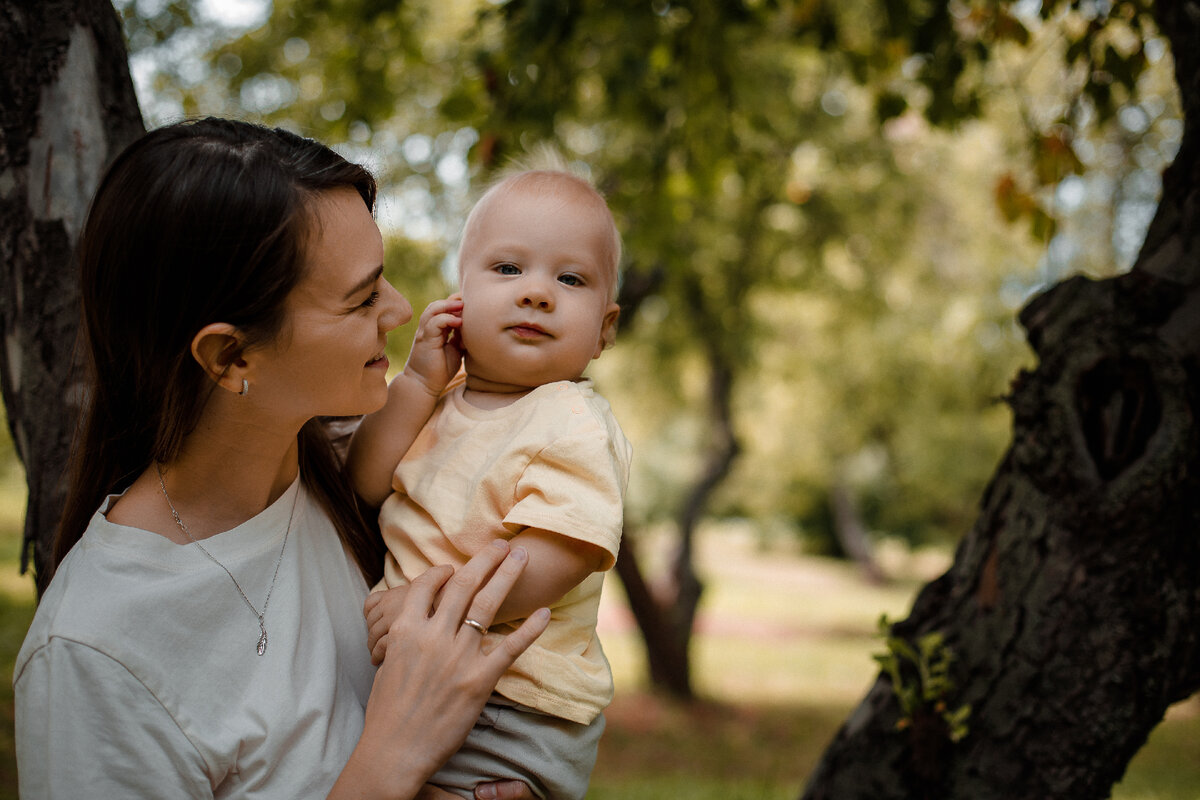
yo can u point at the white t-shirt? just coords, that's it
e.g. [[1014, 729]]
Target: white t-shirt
[[139, 677]]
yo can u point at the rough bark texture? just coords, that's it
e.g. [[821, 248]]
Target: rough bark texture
[[67, 106], [1073, 605]]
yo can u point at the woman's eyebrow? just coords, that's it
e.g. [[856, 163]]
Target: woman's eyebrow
[[365, 283]]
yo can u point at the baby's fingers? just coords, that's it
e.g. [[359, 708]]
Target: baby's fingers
[[439, 313], [371, 605]]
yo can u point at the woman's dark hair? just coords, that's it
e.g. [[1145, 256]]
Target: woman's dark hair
[[199, 222]]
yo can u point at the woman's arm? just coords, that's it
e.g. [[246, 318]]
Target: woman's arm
[[385, 436], [87, 727], [430, 689]]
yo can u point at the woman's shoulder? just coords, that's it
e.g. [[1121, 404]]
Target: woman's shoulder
[[79, 606]]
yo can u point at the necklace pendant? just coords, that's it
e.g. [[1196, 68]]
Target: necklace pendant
[[262, 642]]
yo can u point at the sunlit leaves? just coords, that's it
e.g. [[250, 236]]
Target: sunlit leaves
[[790, 215]]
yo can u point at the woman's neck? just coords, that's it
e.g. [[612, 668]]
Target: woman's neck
[[228, 470], [242, 476]]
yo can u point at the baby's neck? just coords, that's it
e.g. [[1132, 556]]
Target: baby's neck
[[491, 400], [489, 395]]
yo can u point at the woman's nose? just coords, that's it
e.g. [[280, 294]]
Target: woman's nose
[[397, 310]]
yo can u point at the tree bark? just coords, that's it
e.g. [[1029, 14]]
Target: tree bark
[[68, 106], [666, 660], [665, 614], [851, 535], [1072, 608]]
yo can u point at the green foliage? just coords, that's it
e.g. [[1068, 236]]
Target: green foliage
[[921, 679], [793, 222], [16, 602], [415, 266], [152, 24]]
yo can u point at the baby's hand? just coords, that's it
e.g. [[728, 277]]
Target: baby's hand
[[381, 609], [436, 353]]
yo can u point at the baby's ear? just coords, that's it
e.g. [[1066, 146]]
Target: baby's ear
[[608, 329]]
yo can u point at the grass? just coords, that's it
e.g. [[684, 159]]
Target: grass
[[16, 610], [781, 655], [782, 652]]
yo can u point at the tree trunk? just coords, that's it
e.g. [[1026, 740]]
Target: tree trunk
[[68, 106], [851, 535], [666, 613], [667, 661], [1072, 608]]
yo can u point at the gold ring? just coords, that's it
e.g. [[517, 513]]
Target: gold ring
[[476, 625]]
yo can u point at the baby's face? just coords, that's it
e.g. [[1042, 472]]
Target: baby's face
[[537, 290]]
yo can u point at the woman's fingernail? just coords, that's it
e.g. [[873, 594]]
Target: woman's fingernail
[[500, 544], [519, 553], [486, 792]]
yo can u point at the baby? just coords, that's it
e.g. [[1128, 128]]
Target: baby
[[517, 446]]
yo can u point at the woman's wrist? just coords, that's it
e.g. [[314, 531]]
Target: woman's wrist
[[371, 774]]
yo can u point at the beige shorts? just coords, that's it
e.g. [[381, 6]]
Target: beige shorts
[[512, 742]]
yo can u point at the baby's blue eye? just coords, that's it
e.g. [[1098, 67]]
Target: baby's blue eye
[[570, 280], [508, 269]]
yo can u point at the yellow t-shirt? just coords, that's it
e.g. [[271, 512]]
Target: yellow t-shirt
[[556, 459]]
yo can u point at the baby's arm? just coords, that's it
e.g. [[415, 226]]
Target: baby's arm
[[385, 436], [557, 564]]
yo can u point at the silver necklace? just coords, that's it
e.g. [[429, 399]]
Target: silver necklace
[[259, 615]]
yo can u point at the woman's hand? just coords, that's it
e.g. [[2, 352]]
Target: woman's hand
[[437, 674], [504, 790], [500, 790]]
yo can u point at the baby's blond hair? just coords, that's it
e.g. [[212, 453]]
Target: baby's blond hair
[[545, 171]]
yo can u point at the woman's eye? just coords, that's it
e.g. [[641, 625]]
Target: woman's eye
[[371, 300], [508, 269]]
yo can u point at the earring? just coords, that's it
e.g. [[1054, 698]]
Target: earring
[[245, 388]]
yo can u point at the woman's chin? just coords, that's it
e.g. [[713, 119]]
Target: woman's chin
[[374, 399], [367, 401]]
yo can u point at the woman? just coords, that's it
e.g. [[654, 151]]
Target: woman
[[203, 633]]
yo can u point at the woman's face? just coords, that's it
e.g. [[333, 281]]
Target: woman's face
[[329, 357]]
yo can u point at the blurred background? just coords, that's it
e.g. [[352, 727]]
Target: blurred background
[[832, 214]]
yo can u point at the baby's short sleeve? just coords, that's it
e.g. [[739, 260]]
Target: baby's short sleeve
[[575, 487]]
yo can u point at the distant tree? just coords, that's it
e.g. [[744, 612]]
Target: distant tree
[[67, 107]]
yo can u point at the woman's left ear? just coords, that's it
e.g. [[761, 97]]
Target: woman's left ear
[[608, 329], [219, 348]]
